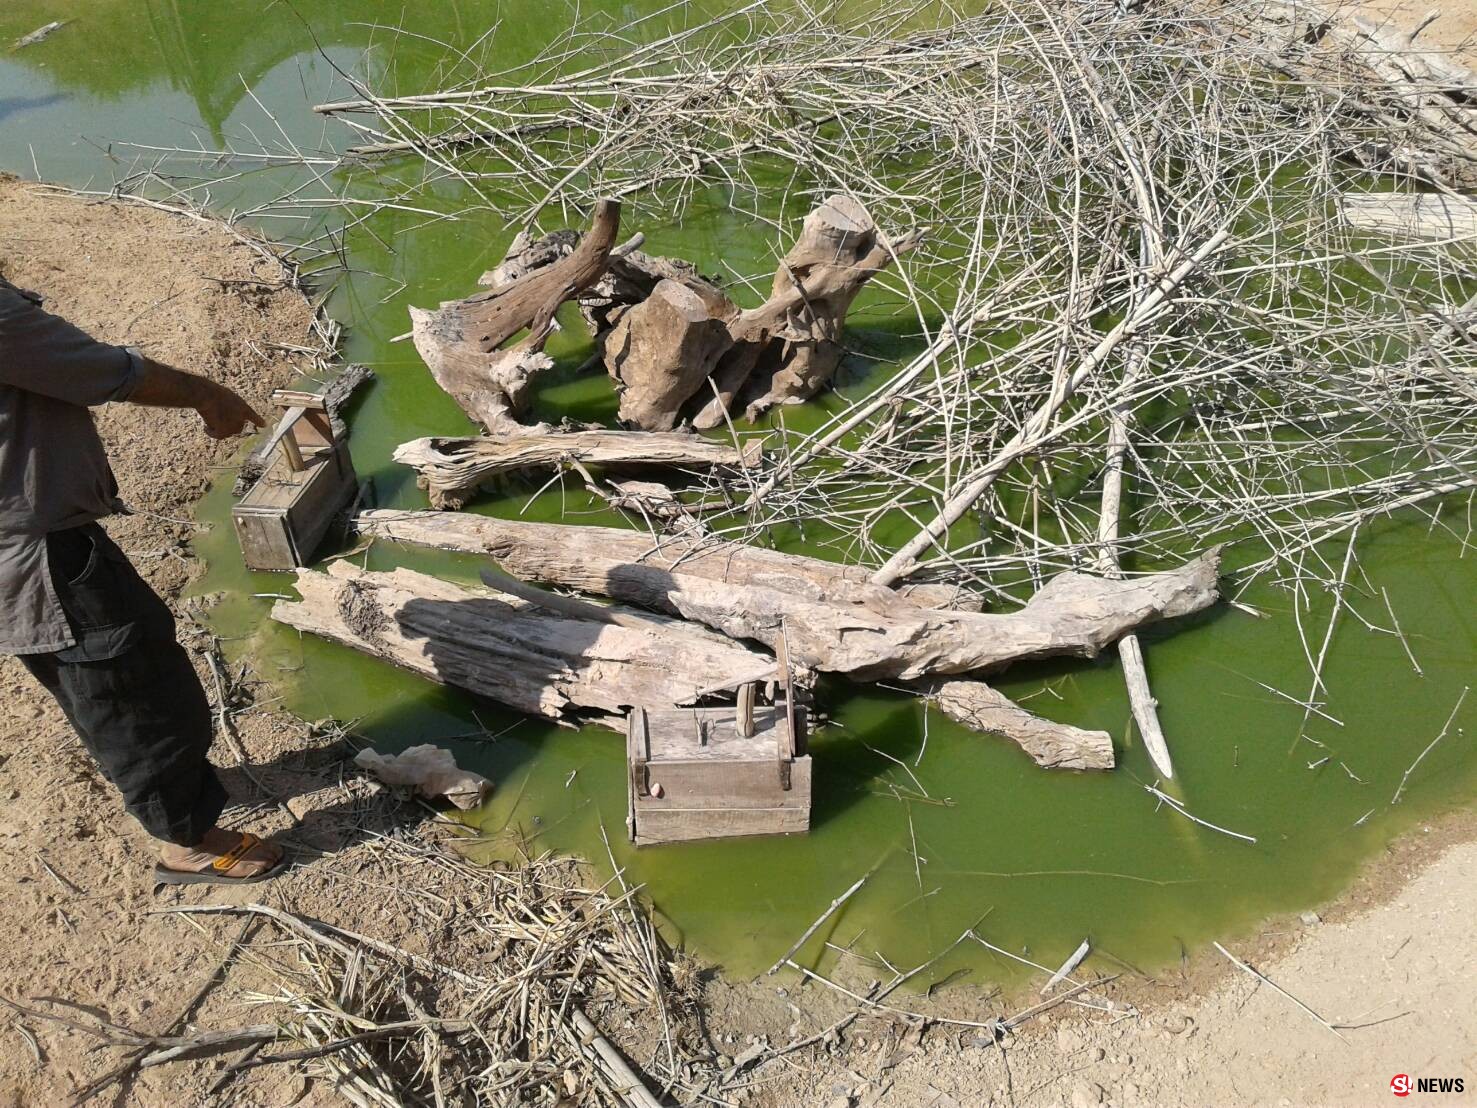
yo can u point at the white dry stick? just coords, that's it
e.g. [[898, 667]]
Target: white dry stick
[[1068, 967], [1267, 980], [1400, 789], [814, 927], [1038, 427], [1130, 653], [1180, 808]]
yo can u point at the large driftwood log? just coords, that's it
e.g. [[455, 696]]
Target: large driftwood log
[[451, 470], [527, 656], [712, 559], [662, 351], [838, 251], [1411, 215], [629, 278], [460, 340], [977, 706], [1074, 614]]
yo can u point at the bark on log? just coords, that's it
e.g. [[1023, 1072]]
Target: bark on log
[[1411, 215], [526, 656], [460, 340], [451, 470], [884, 638], [714, 560], [661, 352], [977, 706], [629, 277]]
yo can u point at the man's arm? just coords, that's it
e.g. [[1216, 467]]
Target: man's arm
[[44, 354], [160, 386]]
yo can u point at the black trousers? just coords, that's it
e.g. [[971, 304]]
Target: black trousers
[[128, 688]]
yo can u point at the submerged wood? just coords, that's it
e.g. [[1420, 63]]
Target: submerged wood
[[666, 349], [1053, 745], [459, 341], [871, 638], [713, 559], [553, 664], [1411, 215], [838, 251], [451, 470], [663, 351]]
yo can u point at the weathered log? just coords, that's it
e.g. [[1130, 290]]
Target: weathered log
[[1411, 215], [629, 277], [533, 659], [716, 560], [878, 637], [459, 341], [451, 470], [979, 707], [662, 351], [838, 251]]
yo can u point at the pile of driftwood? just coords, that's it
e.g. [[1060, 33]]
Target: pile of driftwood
[[681, 352], [1196, 273], [696, 617]]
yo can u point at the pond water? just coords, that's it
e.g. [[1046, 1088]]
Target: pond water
[[970, 833]]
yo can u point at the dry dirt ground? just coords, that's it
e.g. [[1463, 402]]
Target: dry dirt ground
[[1395, 958]]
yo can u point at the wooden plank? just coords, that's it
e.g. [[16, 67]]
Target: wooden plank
[[697, 783], [686, 825]]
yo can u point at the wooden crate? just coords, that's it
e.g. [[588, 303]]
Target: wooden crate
[[282, 519], [693, 774]]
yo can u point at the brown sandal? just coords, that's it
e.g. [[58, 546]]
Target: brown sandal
[[219, 872]]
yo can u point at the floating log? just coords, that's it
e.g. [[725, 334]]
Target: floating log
[[1411, 215], [1050, 744], [544, 662], [713, 559], [838, 251], [714, 581], [871, 639], [459, 341], [451, 470], [662, 351]]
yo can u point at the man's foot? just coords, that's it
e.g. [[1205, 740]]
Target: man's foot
[[220, 858]]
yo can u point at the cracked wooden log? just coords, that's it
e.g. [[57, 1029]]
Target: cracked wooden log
[[629, 277], [1411, 215], [459, 341], [713, 559], [661, 352], [1053, 745], [561, 666], [877, 636], [839, 249], [452, 470]]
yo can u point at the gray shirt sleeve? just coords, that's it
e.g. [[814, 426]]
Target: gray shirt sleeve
[[44, 354]]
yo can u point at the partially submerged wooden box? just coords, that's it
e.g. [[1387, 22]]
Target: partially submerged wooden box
[[285, 515], [693, 774]]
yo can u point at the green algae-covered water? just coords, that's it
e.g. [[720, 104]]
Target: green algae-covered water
[[965, 831]]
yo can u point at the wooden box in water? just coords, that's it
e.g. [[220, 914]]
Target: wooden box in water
[[284, 517], [693, 774]]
